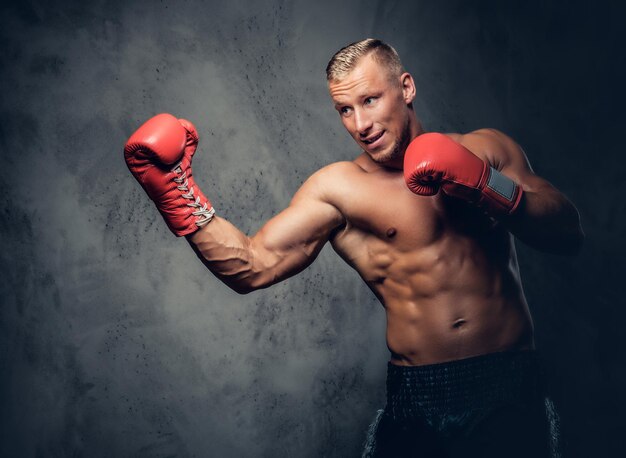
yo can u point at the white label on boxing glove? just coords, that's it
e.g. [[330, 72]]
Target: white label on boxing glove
[[501, 184]]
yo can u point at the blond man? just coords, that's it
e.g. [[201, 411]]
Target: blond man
[[428, 221]]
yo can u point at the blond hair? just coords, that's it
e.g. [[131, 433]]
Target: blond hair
[[344, 60]]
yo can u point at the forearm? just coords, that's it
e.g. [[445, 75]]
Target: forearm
[[548, 221], [499, 180], [159, 155], [230, 255]]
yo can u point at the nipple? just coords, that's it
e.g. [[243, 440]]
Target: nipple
[[391, 232]]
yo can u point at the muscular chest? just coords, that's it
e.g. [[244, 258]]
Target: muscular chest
[[382, 208], [384, 218]]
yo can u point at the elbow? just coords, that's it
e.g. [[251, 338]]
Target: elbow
[[569, 240], [242, 289], [238, 286], [577, 237], [577, 242], [569, 245], [246, 285], [573, 242]]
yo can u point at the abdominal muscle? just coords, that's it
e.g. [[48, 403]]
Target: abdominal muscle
[[451, 327], [446, 274], [445, 301]]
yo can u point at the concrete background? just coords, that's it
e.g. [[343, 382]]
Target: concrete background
[[115, 340]]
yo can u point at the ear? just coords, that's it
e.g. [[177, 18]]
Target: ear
[[408, 87]]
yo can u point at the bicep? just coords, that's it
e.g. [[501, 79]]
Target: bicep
[[548, 221], [291, 240], [503, 153]]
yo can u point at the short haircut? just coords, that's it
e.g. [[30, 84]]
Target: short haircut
[[344, 60]]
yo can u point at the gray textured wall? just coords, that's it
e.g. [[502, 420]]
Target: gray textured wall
[[115, 340]]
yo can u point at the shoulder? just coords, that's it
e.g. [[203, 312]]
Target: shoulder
[[330, 180], [332, 173], [500, 150], [490, 137], [339, 168]]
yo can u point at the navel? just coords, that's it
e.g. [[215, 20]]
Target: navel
[[391, 232], [458, 323]]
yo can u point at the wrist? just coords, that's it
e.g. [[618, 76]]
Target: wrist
[[500, 195], [201, 207], [159, 156], [190, 208]]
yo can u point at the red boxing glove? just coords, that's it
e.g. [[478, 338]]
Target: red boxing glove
[[434, 160], [159, 156]]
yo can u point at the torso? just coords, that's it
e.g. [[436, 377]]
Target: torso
[[446, 274]]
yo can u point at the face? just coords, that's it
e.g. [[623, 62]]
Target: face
[[376, 110]]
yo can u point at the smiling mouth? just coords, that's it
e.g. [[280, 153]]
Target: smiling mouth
[[373, 139]]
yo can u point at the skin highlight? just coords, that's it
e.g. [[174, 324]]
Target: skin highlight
[[368, 102], [446, 274]]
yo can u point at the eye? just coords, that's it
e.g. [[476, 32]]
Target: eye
[[344, 111], [369, 100]]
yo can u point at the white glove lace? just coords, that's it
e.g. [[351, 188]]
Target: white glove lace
[[203, 213]]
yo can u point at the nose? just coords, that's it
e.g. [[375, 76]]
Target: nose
[[362, 122]]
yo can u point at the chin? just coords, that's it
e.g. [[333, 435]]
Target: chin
[[386, 156]]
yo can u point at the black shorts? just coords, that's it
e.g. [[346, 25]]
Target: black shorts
[[487, 406]]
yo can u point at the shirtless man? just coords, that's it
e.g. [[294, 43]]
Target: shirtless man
[[427, 220]]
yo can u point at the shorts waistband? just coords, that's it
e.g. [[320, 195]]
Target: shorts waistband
[[475, 383]]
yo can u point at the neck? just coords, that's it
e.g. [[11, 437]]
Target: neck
[[415, 129]]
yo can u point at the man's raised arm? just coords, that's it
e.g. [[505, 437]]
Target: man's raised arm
[[159, 155], [284, 246], [546, 219], [488, 169]]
